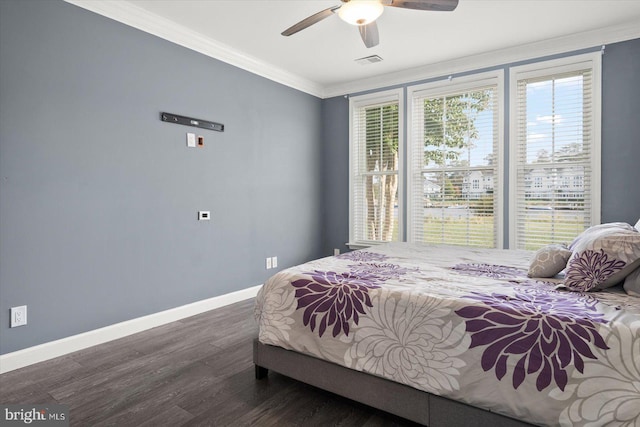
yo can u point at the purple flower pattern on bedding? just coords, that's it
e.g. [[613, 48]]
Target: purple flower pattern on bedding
[[573, 354], [490, 270], [590, 269], [381, 270], [362, 256], [546, 331], [334, 299]]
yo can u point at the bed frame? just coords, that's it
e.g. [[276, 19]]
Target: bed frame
[[398, 399]]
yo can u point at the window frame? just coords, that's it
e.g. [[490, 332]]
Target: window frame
[[448, 87], [356, 103], [549, 68]]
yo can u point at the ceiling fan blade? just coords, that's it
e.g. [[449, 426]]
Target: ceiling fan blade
[[369, 34], [307, 22], [435, 5]]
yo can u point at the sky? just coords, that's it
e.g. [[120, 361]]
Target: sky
[[554, 119]]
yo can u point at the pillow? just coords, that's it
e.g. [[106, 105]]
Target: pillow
[[549, 261], [637, 226], [596, 230], [632, 283], [602, 257]]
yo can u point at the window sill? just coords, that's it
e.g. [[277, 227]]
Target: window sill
[[363, 245]]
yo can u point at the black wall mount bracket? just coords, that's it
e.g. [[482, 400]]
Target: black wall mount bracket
[[190, 121]]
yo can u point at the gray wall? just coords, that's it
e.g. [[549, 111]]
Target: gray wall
[[621, 132], [620, 144], [335, 178], [99, 198]]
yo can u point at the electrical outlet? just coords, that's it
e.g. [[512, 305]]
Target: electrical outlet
[[269, 265], [274, 262], [18, 316], [336, 251]]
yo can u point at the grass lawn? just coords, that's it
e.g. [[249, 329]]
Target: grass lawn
[[454, 231], [562, 230]]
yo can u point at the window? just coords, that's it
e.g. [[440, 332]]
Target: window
[[375, 168], [454, 139], [454, 167], [555, 143]]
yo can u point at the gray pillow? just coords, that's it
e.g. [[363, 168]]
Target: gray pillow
[[602, 257], [632, 283], [549, 260]]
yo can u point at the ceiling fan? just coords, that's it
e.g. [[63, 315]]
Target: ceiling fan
[[364, 13]]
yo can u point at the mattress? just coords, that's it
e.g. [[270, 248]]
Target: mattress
[[466, 324]]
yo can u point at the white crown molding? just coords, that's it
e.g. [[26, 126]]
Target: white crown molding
[[573, 42], [146, 21], [40, 353], [141, 19]]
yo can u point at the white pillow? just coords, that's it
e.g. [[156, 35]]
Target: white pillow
[[595, 231], [602, 257]]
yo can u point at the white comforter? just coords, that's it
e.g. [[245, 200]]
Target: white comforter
[[465, 324]]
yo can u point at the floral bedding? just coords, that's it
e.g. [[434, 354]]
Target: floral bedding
[[467, 324]]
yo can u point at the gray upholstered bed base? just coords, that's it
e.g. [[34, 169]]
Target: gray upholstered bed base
[[398, 399]]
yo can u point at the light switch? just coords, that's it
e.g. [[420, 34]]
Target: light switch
[[191, 139]]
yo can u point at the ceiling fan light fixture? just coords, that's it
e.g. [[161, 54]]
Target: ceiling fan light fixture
[[360, 12]]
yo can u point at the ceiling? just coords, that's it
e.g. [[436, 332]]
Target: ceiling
[[320, 59]]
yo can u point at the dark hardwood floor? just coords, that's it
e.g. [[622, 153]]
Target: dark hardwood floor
[[194, 372]]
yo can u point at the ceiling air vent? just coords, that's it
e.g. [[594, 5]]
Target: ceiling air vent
[[369, 60]]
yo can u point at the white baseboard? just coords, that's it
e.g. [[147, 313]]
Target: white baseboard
[[40, 353]]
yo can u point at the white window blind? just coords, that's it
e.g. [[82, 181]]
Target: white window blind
[[454, 163], [375, 145], [555, 148]]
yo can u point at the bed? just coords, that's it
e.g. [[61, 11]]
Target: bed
[[443, 335]]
